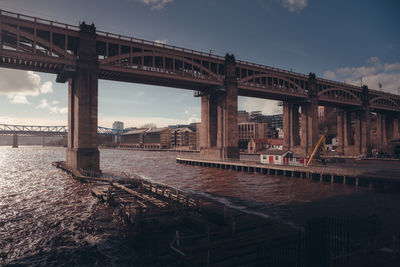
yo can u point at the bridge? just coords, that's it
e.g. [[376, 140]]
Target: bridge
[[80, 55], [46, 131]]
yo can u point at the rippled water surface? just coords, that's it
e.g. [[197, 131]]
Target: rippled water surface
[[47, 218]]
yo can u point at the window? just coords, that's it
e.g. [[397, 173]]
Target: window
[[276, 157]]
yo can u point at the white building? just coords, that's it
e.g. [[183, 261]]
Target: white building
[[119, 125], [280, 133], [276, 157]]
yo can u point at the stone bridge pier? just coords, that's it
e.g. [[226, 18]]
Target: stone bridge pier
[[302, 144], [355, 138], [15, 141], [387, 129], [219, 122], [82, 151]]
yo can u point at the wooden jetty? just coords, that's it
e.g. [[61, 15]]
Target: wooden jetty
[[201, 231], [205, 232], [329, 175]]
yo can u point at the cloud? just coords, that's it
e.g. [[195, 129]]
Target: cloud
[[392, 67], [156, 4], [294, 5], [47, 87], [139, 94], [266, 106], [17, 81], [330, 75], [19, 99], [162, 41], [18, 84], [193, 118], [52, 108], [372, 73]]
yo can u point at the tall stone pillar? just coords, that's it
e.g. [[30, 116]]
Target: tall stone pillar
[[309, 118], [15, 141], [365, 133], [381, 139], [291, 135], [286, 126], [65, 140], [357, 142], [82, 152], [389, 127], [340, 132], [209, 121], [384, 131], [219, 127], [396, 128], [348, 135], [295, 130], [357, 134], [365, 124]]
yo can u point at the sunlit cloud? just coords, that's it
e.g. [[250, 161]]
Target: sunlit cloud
[[52, 108], [294, 5], [18, 84], [156, 4], [266, 106], [373, 73]]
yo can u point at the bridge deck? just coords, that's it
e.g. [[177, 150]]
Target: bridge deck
[[37, 44]]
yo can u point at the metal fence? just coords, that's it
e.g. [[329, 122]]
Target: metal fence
[[332, 242]]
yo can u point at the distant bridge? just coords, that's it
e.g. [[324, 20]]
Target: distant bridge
[[33, 130]]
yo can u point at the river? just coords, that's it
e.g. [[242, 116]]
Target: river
[[47, 218]]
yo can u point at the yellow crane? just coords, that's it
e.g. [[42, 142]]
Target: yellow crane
[[321, 142]]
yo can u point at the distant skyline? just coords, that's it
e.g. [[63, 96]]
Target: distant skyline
[[339, 40]]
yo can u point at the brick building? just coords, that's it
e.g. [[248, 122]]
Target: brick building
[[183, 138], [248, 130], [157, 138], [133, 138]]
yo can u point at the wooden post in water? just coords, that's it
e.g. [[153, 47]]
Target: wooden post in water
[[178, 242]]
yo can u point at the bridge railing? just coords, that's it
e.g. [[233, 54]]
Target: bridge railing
[[38, 20], [158, 44]]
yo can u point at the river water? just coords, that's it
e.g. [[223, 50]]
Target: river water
[[47, 218]]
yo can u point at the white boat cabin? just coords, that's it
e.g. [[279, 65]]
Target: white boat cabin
[[276, 157]]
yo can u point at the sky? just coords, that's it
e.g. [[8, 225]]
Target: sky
[[342, 40]]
